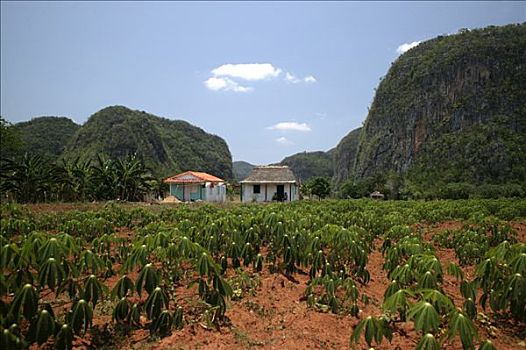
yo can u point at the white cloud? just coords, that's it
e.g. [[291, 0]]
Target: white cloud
[[247, 71], [286, 126], [407, 46], [227, 76], [226, 84], [283, 140], [291, 78], [309, 79]]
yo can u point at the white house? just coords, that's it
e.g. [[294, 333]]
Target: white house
[[197, 186], [270, 183]]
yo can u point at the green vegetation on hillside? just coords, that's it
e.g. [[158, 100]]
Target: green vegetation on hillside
[[450, 112], [306, 165], [46, 136], [241, 170], [10, 140], [167, 146]]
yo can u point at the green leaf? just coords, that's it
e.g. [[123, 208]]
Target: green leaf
[[123, 286], [428, 342], [470, 308], [148, 278], [43, 327], [81, 317], [121, 312], [222, 287], [487, 345], [455, 271], [398, 302], [425, 317], [462, 326], [93, 290], [27, 300], [427, 281], [162, 325], [64, 338], [51, 274], [155, 302], [374, 329], [179, 318], [134, 317]]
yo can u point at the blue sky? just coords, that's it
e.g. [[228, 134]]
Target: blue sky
[[271, 78]]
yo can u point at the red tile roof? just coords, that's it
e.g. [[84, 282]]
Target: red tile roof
[[192, 177]]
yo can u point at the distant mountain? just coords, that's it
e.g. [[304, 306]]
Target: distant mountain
[[46, 136], [167, 146], [451, 110], [241, 169], [306, 165]]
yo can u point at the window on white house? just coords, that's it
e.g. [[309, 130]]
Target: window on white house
[[257, 188]]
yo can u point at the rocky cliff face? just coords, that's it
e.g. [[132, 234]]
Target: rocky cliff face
[[345, 156], [443, 90]]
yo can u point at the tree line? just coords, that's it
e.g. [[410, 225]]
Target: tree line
[[31, 179], [28, 177]]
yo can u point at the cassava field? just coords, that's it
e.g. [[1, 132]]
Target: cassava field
[[304, 275]]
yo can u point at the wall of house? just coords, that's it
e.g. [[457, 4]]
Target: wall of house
[[186, 192], [266, 192], [214, 193], [193, 192]]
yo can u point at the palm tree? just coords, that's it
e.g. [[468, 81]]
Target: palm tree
[[133, 178], [77, 179], [28, 179], [104, 179]]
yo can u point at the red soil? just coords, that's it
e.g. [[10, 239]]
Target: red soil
[[277, 317]]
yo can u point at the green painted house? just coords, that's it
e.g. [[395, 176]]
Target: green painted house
[[193, 186]]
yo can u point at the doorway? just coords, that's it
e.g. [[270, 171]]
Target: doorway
[[280, 190]]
